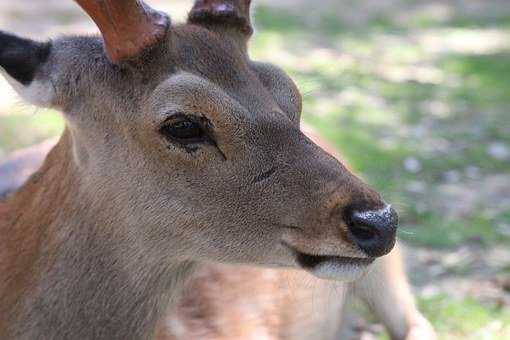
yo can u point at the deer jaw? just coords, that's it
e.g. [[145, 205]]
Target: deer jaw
[[183, 153]]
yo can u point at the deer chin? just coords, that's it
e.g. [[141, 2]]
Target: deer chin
[[339, 268], [331, 267]]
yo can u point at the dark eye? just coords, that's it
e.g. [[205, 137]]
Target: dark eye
[[183, 130]]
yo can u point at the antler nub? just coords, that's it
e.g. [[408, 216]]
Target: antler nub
[[127, 26], [233, 12]]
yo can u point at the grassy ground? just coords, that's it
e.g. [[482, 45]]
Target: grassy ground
[[415, 95]]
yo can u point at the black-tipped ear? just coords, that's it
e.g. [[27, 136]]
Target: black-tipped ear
[[21, 58]]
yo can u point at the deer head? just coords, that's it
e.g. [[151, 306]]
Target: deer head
[[192, 150]]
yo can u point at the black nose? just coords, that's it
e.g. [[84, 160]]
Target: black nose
[[374, 230]]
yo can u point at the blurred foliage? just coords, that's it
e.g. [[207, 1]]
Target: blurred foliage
[[466, 319], [22, 129]]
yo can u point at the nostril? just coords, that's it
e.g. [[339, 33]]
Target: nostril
[[373, 231], [361, 232]]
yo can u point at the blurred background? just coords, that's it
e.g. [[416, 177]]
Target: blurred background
[[414, 94]]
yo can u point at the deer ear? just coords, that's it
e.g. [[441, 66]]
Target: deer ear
[[225, 16], [21, 61], [282, 87]]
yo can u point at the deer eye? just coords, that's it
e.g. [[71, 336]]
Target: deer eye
[[183, 129]]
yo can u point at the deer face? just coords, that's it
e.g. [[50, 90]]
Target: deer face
[[195, 150]]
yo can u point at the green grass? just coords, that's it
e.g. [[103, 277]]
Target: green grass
[[459, 318], [435, 231], [466, 319], [22, 129]]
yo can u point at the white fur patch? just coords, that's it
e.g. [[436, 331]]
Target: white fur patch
[[260, 334], [345, 272], [38, 93]]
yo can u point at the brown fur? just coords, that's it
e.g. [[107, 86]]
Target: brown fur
[[225, 302], [99, 242]]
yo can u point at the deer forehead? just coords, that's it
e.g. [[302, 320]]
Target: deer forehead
[[218, 59], [186, 92], [193, 67]]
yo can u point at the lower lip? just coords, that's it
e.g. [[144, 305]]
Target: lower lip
[[334, 267]]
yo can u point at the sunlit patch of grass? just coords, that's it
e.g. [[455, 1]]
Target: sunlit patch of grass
[[496, 20], [22, 130], [270, 19], [466, 319], [436, 231], [481, 76], [458, 319]]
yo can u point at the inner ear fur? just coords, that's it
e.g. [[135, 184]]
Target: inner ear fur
[[21, 58]]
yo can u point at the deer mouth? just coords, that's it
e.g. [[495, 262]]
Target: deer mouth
[[339, 268]]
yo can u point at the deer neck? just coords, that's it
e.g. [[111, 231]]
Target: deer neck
[[65, 273]]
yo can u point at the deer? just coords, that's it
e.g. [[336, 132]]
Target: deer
[[183, 170]]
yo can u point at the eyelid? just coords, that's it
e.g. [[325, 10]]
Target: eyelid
[[195, 117], [205, 124], [177, 115]]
